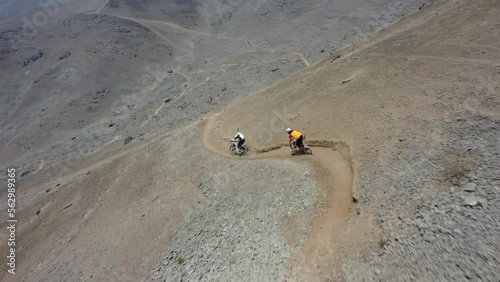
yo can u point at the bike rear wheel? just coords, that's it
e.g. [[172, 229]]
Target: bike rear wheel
[[304, 150], [243, 150]]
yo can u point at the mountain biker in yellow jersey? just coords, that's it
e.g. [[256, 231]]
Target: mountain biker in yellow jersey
[[294, 134]]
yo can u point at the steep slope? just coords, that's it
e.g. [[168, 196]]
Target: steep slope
[[183, 13], [40, 11], [411, 114], [401, 105], [114, 78], [62, 84]]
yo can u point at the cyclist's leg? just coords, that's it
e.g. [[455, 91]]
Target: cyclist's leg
[[240, 142], [299, 142]]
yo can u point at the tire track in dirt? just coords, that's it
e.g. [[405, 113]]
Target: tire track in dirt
[[172, 25], [302, 58], [225, 66], [163, 104], [42, 163], [153, 30], [102, 7], [184, 93], [116, 138], [334, 169]]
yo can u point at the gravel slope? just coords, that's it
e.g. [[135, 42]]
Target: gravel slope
[[414, 110], [236, 233]]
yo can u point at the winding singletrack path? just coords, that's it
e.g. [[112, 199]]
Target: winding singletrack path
[[332, 170]]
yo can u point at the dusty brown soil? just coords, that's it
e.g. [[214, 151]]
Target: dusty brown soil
[[330, 231], [385, 92], [391, 122]]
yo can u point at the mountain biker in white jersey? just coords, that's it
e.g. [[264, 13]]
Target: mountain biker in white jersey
[[240, 138]]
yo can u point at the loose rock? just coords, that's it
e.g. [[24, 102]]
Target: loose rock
[[470, 187]]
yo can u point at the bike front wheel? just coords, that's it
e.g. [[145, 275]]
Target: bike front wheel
[[243, 150]]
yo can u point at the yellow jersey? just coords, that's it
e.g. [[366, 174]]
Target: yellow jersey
[[295, 134]]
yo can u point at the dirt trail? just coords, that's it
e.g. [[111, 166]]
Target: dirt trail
[[102, 7], [334, 172]]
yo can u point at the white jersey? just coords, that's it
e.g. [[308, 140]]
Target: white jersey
[[239, 136]]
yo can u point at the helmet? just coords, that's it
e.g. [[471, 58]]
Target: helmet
[[289, 130]]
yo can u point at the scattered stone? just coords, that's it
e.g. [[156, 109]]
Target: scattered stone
[[167, 100], [38, 212], [25, 173], [47, 191], [65, 55], [274, 69], [482, 201], [33, 58], [399, 237], [104, 91], [470, 187], [472, 201], [377, 271], [127, 140]]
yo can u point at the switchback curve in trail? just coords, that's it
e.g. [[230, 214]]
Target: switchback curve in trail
[[333, 164]]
